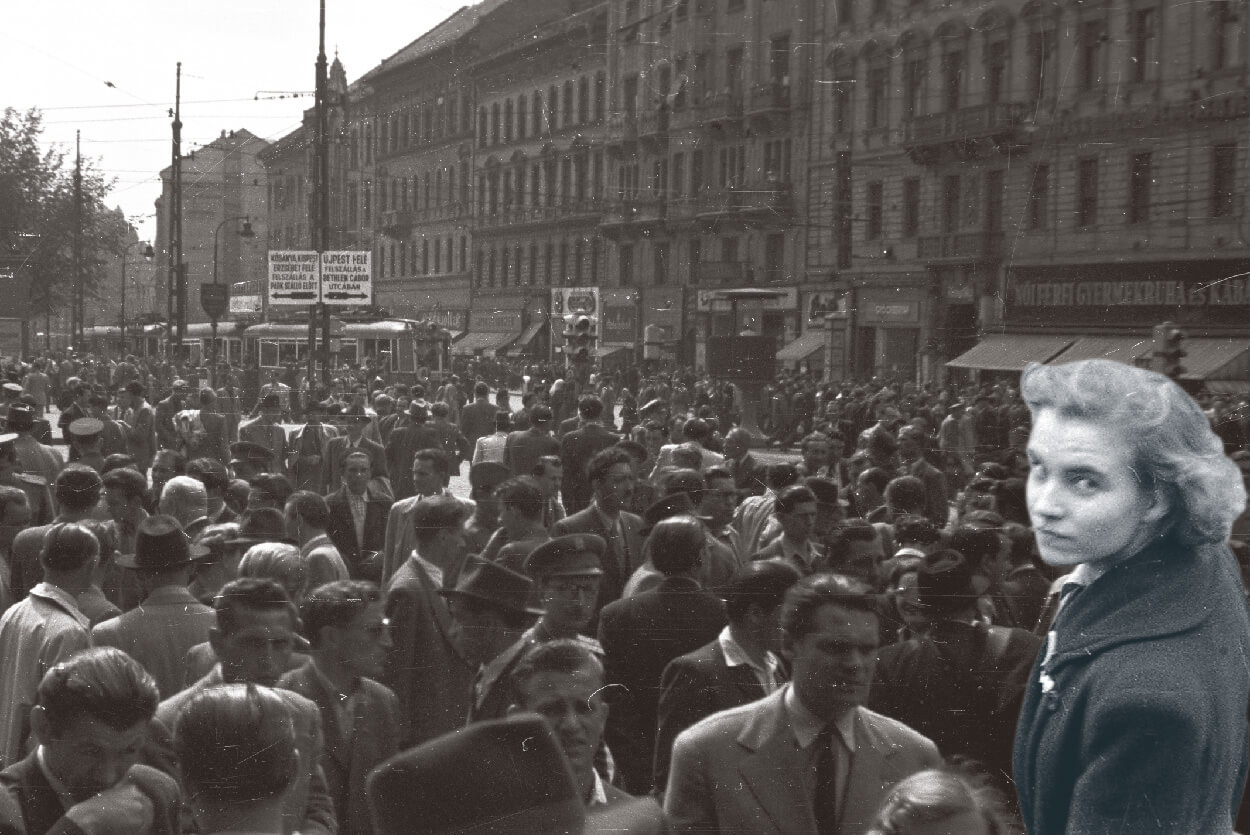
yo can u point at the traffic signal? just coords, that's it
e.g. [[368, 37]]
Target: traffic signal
[[581, 340], [1168, 351]]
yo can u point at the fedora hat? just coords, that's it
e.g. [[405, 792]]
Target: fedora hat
[[494, 585], [944, 581], [160, 543], [21, 417], [265, 524], [674, 504], [499, 776]]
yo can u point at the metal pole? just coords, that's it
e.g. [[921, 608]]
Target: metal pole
[[76, 296], [320, 209], [178, 278], [125, 257]]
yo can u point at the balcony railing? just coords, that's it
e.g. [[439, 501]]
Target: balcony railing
[[653, 123], [723, 107], [772, 95], [759, 196], [961, 246], [967, 132]]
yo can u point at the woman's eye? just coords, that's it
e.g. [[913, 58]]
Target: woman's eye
[[1084, 483]]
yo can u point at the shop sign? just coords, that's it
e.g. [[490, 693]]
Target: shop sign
[[787, 299], [819, 305], [619, 324], [495, 321], [889, 312], [580, 300]]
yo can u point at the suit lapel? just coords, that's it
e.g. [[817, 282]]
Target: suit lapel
[[442, 615], [770, 772], [867, 779], [334, 737], [743, 680]]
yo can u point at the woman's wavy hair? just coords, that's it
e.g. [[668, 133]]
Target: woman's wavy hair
[[1175, 449], [938, 794]]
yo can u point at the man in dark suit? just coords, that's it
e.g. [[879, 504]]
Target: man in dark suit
[[337, 450], [577, 448], [911, 448], [478, 418], [611, 478], [741, 665], [809, 757], [641, 634], [525, 447], [358, 519], [426, 665], [747, 470], [415, 434], [345, 621], [93, 714]]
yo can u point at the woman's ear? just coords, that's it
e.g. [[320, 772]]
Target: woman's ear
[[1159, 508]]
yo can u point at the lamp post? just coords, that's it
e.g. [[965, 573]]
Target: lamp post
[[214, 302], [148, 254]]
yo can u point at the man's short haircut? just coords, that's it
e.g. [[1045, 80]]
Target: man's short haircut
[[67, 546], [604, 460], [545, 461], [523, 495], [117, 460], [435, 514], [804, 599], [762, 583], [335, 604], [655, 426], [877, 477], [503, 421], [778, 476], [676, 545], [540, 415], [791, 497], [177, 461], [978, 545], [636, 450], [105, 534], [440, 409], [915, 530], [184, 489], [814, 438], [11, 496], [436, 458], [589, 407], [914, 433], [130, 483], [905, 493], [696, 429], [102, 683], [687, 456], [278, 561], [255, 594], [236, 744], [358, 454], [564, 655], [77, 488], [824, 489], [210, 471], [310, 507], [716, 472], [274, 488], [685, 480], [480, 389]]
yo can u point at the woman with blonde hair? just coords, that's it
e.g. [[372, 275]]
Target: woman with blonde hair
[[943, 801], [1134, 718]]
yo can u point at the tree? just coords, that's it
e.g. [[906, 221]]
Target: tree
[[37, 215]]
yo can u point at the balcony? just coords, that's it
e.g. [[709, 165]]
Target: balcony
[[622, 132], [653, 127], [960, 247], [969, 133], [768, 106], [519, 216], [760, 203], [398, 223], [633, 217], [721, 273], [722, 113]]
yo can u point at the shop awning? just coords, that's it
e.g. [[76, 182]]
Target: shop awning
[[1123, 349], [1217, 359], [527, 336], [803, 347], [485, 341], [602, 351], [1011, 352]]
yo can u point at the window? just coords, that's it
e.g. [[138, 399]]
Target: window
[[535, 185], [553, 109], [549, 262], [732, 168], [596, 255], [1224, 33], [483, 134], [844, 13], [1223, 174], [1087, 193], [566, 180], [537, 114], [732, 6], [351, 205], [659, 178], [533, 274], [995, 71], [508, 116], [696, 172], [366, 209], [601, 95], [567, 105], [464, 253], [425, 257], [733, 71], [729, 249], [1144, 60], [438, 255], [913, 85], [777, 160], [695, 248], [1041, 52], [629, 97], [842, 107], [679, 174], [579, 256], [911, 207], [1092, 37], [775, 257], [625, 254], [490, 269], [950, 203], [596, 175], [779, 60], [583, 100], [878, 82], [519, 197], [994, 200], [1140, 176], [522, 115], [479, 267], [494, 123], [660, 262], [952, 79], [874, 209], [564, 262]]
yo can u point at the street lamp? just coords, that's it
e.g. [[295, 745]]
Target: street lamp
[[148, 254], [214, 303]]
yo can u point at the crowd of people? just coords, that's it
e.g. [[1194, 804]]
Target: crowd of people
[[263, 609]]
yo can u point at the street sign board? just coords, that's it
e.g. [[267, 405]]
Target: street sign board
[[214, 298], [293, 277], [245, 304], [339, 277], [347, 278]]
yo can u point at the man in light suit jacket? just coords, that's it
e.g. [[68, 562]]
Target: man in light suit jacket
[[345, 622], [611, 478], [809, 757], [431, 473]]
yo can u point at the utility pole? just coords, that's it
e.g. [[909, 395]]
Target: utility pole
[[319, 211], [176, 307], [76, 305]]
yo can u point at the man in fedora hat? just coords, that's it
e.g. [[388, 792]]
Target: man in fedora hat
[[78, 490], [141, 422], [166, 415], [491, 604], [265, 431], [718, 564], [345, 623], [169, 621], [249, 459], [484, 478], [402, 445], [38, 497], [33, 457], [337, 449]]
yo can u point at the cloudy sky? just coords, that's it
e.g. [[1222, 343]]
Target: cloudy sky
[[107, 68]]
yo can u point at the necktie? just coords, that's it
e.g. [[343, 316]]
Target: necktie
[[825, 803], [622, 547]]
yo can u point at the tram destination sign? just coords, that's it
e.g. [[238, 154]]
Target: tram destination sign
[[337, 277]]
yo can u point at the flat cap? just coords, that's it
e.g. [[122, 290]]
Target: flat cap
[[86, 427], [488, 475], [250, 451]]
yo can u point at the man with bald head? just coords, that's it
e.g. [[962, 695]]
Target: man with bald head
[[186, 499], [746, 469]]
